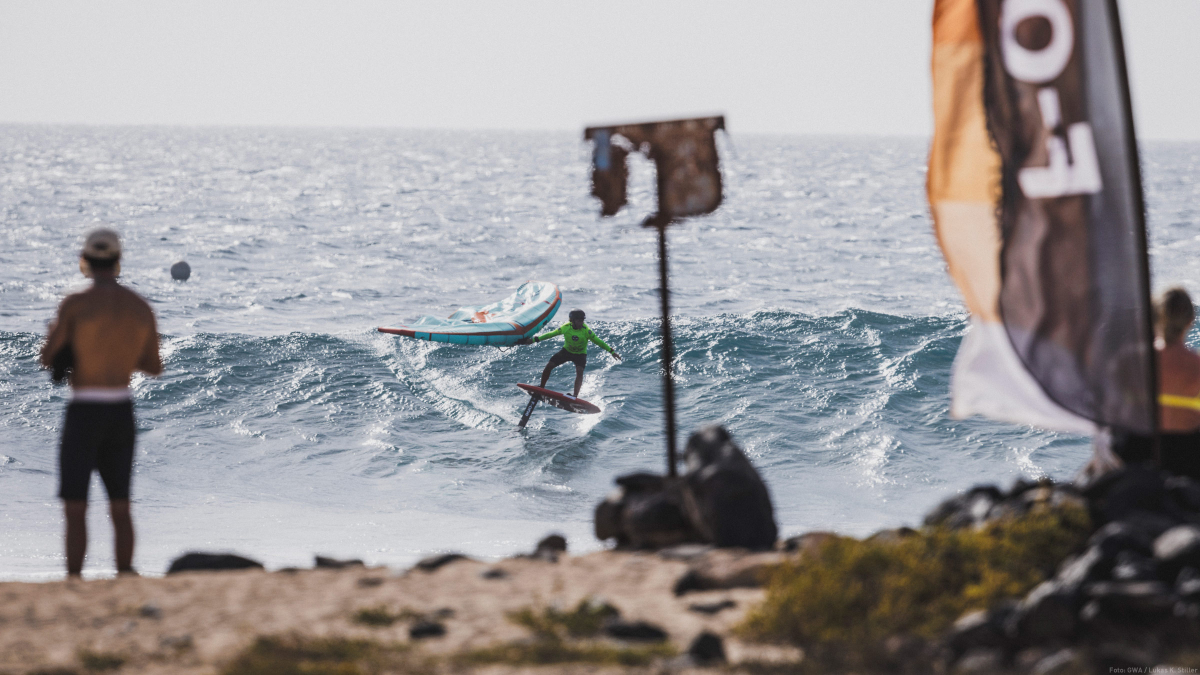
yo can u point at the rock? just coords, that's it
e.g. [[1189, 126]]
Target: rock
[[435, 562], [656, 519], [195, 561], [726, 500], [981, 662], [711, 608], [707, 649], [1178, 547], [180, 271], [493, 573], [634, 631], [1047, 614], [150, 611], [550, 548], [1122, 535], [607, 520], [1133, 566], [807, 543], [1061, 662], [322, 562], [982, 629], [1125, 601], [1138, 487], [1187, 584], [1184, 493], [370, 582], [965, 510], [1089, 566], [892, 536], [426, 629], [690, 581]]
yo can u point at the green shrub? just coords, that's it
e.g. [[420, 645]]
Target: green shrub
[[553, 640], [381, 616], [317, 656], [554, 651], [854, 594], [100, 661], [585, 620]]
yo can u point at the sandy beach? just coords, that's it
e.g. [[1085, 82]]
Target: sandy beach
[[197, 623]]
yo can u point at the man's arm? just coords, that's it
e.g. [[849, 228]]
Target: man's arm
[[150, 362], [58, 336], [547, 336], [596, 338]]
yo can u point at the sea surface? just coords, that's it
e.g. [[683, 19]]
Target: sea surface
[[814, 320]]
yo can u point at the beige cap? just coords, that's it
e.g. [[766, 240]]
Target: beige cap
[[102, 244]]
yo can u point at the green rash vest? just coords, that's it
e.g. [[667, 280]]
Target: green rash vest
[[576, 340]]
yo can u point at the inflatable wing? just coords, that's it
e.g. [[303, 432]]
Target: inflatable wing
[[499, 324]]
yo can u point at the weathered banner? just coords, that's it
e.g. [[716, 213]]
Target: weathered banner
[[1036, 198]]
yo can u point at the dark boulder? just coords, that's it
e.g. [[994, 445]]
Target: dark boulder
[[426, 629], [657, 519], [965, 510], [1117, 494], [195, 561], [1177, 548], [707, 649], [1133, 566], [1131, 601], [711, 608], [436, 562], [1091, 565], [982, 629], [1046, 615], [322, 562], [634, 631], [726, 499], [550, 548]]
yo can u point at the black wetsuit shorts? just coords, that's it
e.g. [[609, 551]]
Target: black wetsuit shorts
[[562, 356], [96, 437]]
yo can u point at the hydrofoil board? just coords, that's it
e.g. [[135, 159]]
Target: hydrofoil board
[[556, 399]]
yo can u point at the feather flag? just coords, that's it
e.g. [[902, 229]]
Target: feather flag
[[1036, 198]]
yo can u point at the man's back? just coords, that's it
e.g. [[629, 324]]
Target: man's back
[[111, 331]]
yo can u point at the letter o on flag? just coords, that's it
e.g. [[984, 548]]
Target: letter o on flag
[[1042, 65]]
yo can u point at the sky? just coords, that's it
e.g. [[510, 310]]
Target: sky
[[790, 66]]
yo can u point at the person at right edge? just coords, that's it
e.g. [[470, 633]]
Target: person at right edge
[[100, 337], [576, 335], [1178, 385]]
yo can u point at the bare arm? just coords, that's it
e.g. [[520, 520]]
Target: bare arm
[[59, 336], [150, 362]]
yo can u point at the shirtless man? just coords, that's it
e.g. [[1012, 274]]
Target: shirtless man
[[1178, 384], [102, 335]]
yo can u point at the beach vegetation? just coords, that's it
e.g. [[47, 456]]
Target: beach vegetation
[[296, 655], [848, 596], [99, 662], [561, 636], [585, 620], [381, 616]]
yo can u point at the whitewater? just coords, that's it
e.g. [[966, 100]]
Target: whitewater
[[815, 321]]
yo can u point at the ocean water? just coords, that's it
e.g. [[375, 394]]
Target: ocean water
[[815, 321]]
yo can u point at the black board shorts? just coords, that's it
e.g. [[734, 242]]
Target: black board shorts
[[562, 356], [96, 437]]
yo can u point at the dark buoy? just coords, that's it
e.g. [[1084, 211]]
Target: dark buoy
[[180, 271]]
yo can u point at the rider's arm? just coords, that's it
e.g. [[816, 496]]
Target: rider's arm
[[547, 336], [596, 338]]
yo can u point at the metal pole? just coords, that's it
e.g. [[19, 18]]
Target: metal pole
[[668, 352]]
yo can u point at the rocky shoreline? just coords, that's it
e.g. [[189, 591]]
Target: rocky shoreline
[[1041, 577]]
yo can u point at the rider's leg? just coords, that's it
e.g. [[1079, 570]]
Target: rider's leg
[[578, 379]]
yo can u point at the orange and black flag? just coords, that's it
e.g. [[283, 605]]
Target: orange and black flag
[[1036, 198]]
